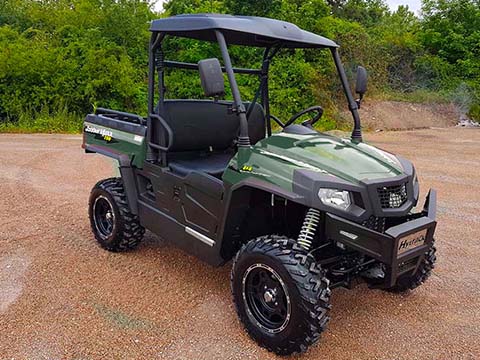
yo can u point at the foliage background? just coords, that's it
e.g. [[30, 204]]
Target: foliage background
[[59, 59]]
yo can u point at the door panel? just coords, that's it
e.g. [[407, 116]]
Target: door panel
[[182, 204]]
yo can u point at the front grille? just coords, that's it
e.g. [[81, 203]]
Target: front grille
[[375, 223], [392, 197]]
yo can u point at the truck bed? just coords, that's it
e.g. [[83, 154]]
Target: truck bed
[[115, 134]]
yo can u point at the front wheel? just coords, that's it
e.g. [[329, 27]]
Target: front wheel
[[281, 295], [411, 281]]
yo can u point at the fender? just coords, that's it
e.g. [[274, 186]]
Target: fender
[[126, 171], [236, 204], [256, 183]]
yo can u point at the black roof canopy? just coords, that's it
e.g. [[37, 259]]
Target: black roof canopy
[[240, 30]]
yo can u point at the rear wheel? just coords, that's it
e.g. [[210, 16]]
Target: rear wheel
[[281, 295], [114, 226]]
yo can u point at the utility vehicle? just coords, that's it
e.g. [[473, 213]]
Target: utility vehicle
[[299, 212]]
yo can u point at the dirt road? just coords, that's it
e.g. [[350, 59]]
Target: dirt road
[[62, 297]]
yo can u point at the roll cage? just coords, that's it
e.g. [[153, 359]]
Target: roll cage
[[270, 34]]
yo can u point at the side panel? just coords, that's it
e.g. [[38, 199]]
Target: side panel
[[184, 211]]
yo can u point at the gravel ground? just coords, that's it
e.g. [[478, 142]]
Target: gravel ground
[[62, 297]]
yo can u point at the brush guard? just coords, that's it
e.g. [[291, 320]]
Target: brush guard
[[401, 248]]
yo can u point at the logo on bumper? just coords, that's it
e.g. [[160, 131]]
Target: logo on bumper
[[412, 241]]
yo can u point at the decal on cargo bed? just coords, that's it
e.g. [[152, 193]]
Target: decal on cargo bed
[[111, 136], [106, 134]]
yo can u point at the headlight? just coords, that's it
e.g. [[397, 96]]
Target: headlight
[[339, 199]]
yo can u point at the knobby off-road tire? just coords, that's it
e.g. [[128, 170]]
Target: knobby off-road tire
[[120, 230], [412, 281], [295, 274]]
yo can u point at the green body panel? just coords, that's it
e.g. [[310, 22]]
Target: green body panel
[[274, 160], [118, 141]]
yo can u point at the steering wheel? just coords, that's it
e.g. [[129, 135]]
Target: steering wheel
[[308, 123]]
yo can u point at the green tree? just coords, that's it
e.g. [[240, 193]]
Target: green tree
[[366, 12], [451, 37]]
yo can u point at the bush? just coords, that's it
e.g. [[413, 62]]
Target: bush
[[45, 121]]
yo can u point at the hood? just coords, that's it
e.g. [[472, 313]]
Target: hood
[[327, 154]]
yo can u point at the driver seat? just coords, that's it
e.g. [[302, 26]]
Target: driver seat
[[204, 134]]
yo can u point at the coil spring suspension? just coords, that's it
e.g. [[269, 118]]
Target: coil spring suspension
[[309, 228]]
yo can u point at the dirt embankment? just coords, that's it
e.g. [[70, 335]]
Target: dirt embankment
[[397, 115]]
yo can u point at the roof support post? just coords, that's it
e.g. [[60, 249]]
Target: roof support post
[[153, 64], [267, 58], [265, 92], [151, 95], [352, 105], [243, 138]]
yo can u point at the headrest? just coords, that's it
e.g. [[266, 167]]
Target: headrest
[[211, 76]]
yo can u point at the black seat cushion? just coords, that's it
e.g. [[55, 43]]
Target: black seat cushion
[[211, 163]]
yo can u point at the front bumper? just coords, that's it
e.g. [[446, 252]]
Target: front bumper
[[389, 247]]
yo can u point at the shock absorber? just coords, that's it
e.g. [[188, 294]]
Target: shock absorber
[[309, 228]]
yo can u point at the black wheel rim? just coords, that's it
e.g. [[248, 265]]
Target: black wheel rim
[[103, 216], [266, 298]]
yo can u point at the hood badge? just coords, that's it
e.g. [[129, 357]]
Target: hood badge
[[249, 169]]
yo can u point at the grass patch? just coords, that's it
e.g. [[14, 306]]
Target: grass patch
[[120, 319], [417, 96], [44, 122]]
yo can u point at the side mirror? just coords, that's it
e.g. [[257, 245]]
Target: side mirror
[[361, 86], [211, 76]]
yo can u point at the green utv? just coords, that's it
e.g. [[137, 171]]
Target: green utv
[[298, 211]]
